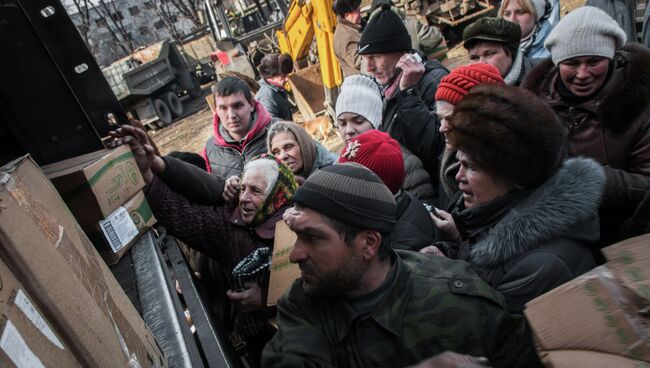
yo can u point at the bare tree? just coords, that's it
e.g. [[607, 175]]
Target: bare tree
[[109, 12], [190, 9], [168, 14], [84, 26]]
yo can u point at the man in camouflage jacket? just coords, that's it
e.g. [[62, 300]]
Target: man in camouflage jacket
[[361, 304]]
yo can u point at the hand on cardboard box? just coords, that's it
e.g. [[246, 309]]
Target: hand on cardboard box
[[449, 359], [249, 299], [143, 151]]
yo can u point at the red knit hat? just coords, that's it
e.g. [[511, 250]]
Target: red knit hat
[[380, 153], [454, 86]]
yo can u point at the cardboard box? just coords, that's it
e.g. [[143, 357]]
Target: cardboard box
[[629, 261], [283, 272], [590, 313], [96, 184], [591, 359], [114, 235], [50, 255], [27, 339]]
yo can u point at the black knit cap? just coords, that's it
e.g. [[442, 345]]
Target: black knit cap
[[384, 33], [341, 7], [349, 193], [495, 30]]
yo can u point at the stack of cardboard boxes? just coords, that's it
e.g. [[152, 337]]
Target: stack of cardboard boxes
[[60, 306], [103, 190], [602, 318]]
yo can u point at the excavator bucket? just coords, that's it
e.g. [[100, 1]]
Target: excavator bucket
[[307, 87]]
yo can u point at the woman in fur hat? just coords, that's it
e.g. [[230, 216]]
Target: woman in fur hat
[[600, 89], [526, 217], [496, 41]]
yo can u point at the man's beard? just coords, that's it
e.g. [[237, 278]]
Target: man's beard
[[336, 282]]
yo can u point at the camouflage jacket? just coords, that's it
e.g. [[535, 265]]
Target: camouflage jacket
[[435, 304]]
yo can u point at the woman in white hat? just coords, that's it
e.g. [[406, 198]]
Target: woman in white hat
[[600, 89]]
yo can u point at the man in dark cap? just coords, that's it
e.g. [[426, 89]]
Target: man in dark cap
[[408, 84], [495, 41], [361, 304], [347, 34]]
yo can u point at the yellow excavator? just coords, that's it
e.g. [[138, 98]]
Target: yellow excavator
[[314, 85]]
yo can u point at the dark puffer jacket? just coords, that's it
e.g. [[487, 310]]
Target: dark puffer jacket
[[535, 240], [414, 229], [612, 127], [417, 180], [226, 157], [410, 117]]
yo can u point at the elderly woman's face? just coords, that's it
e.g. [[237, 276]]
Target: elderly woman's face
[[444, 110], [351, 125], [285, 147], [515, 13], [584, 76], [478, 186], [252, 193]]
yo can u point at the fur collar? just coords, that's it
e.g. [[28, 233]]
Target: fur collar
[[622, 104], [553, 210]]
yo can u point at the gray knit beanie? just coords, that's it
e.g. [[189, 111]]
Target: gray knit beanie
[[586, 31], [351, 194], [360, 95]]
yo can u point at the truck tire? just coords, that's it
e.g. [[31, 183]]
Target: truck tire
[[174, 104], [163, 112]]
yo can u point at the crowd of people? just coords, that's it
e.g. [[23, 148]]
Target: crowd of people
[[458, 197]]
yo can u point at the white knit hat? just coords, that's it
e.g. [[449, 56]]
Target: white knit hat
[[585, 31], [360, 94]]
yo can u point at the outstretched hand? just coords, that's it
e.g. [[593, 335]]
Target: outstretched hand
[[142, 149]]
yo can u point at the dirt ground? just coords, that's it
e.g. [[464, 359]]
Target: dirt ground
[[190, 132]]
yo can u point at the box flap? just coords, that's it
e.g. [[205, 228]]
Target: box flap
[[283, 272]]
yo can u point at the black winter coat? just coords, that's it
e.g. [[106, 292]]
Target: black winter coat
[[414, 229], [536, 240], [410, 117]]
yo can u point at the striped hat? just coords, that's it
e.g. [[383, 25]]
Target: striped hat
[[351, 194]]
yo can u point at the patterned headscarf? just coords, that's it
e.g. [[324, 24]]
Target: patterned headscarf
[[281, 193]]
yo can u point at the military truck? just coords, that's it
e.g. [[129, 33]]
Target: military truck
[[149, 82]]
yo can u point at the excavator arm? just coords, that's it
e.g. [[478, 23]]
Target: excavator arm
[[308, 19]]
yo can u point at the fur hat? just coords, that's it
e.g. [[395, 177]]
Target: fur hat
[[384, 33], [585, 31], [455, 85], [494, 30], [510, 133], [360, 94], [349, 193], [380, 153]]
